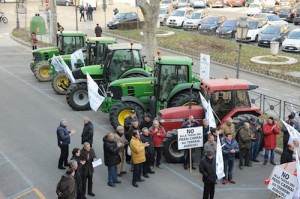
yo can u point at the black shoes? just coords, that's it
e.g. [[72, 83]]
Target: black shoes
[[91, 194], [255, 160], [140, 180], [273, 163], [118, 181], [62, 168], [194, 168], [185, 167], [241, 167], [110, 184], [123, 172], [120, 175], [151, 172], [159, 167], [135, 185], [146, 175]]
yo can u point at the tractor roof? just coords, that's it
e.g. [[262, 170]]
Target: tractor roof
[[71, 33], [180, 60], [121, 46], [213, 85], [103, 40]]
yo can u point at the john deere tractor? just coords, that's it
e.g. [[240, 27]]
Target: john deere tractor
[[228, 98], [123, 60], [94, 54], [67, 43], [172, 85]]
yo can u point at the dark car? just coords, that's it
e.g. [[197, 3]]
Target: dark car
[[227, 29], [122, 18], [210, 24], [268, 9], [272, 33], [286, 13], [297, 16]]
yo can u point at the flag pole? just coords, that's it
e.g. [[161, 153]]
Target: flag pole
[[190, 150]]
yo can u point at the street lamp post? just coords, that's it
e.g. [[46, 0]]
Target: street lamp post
[[17, 11], [241, 34], [76, 7]]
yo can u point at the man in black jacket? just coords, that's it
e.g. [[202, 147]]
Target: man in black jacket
[[149, 152], [78, 179], [287, 154], [87, 132], [207, 168], [111, 158]]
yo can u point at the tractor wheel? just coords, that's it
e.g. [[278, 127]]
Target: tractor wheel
[[60, 83], [41, 71], [241, 119], [170, 150], [183, 99], [77, 97], [121, 110]]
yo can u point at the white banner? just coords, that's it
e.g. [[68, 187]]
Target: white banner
[[67, 70], [56, 64], [95, 98], [75, 56], [203, 101], [294, 134], [190, 138], [283, 183], [219, 160], [204, 66], [210, 116]]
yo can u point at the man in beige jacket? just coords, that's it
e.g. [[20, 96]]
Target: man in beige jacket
[[120, 137]]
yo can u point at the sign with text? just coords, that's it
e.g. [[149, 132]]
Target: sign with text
[[283, 183], [204, 66], [190, 138]]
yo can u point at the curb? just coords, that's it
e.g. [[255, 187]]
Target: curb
[[216, 63], [19, 40]]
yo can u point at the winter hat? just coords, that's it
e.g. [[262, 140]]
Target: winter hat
[[209, 153], [69, 171], [291, 116]]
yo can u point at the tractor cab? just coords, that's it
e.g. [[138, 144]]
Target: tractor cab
[[70, 41]]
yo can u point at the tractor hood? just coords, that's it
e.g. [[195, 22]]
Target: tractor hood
[[132, 81], [92, 70], [170, 119], [43, 50]]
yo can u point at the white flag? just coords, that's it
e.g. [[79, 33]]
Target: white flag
[[203, 101], [294, 134], [56, 64], [67, 70], [75, 56], [95, 98], [210, 117], [298, 172], [219, 160]]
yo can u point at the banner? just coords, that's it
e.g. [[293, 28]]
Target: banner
[[210, 117], [56, 64], [204, 66], [219, 160], [75, 56], [294, 134], [190, 138], [203, 101], [67, 70], [95, 98]]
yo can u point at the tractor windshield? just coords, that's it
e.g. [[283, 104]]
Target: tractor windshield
[[122, 61], [96, 53], [69, 44], [170, 76]]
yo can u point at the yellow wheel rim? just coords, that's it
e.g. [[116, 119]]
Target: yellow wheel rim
[[44, 71], [62, 82], [188, 103], [123, 114]]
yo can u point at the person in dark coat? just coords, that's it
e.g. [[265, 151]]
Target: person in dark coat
[[66, 187], [286, 136], [111, 158], [88, 154], [134, 127], [77, 176], [98, 31], [87, 132], [81, 11], [245, 138], [90, 13], [255, 144], [78, 171], [63, 141], [147, 122], [207, 168], [149, 152], [128, 121], [206, 130], [287, 154]]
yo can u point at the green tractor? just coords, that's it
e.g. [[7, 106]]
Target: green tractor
[[94, 55], [173, 85], [67, 43], [123, 60]]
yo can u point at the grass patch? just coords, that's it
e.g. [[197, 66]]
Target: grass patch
[[220, 50], [274, 59], [24, 35]]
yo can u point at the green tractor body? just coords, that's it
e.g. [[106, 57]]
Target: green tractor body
[[173, 85], [123, 60], [67, 43]]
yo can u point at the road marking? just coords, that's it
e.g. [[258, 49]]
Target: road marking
[[23, 194], [40, 195]]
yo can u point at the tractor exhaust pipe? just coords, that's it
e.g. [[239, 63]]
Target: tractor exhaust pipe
[[191, 94]]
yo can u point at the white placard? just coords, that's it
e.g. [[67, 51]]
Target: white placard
[[190, 138], [97, 163], [283, 183], [204, 66]]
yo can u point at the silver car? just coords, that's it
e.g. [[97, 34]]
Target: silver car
[[164, 12]]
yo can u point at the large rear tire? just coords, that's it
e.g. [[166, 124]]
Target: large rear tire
[[241, 119], [183, 99], [41, 71], [170, 150], [121, 110], [60, 83], [77, 97]]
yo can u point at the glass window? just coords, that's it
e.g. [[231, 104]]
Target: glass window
[[242, 99], [71, 44]]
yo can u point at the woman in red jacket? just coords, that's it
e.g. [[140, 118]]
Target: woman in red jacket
[[270, 130], [158, 134]]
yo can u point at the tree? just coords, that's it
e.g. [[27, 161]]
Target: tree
[[150, 10], [53, 22]]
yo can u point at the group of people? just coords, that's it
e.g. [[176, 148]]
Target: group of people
[[88, 10]]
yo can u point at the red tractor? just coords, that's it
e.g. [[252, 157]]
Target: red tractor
[[228, 98]]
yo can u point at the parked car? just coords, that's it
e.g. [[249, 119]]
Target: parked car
[[227, 28], [210, 24], [183, 3], [272, 33], [164, 12], [271, 18], [286, 13], [287, 3], [177, 18], [256, 25], [292, 41], [215, 3], [254, 8], [122, 18], [64, 2], [193, 21], [199, 4], [297, 17], [169, 2], [268, 9], [233, 3]]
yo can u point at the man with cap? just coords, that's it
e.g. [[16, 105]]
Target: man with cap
[[207, 168], [147, 122], [228, 127], [120, 137], [286, 136], [98, 31], [255, 143], [66, 187]]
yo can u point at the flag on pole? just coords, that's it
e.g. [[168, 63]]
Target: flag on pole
[[95, 98], [67, 70], [75, 56], [210, 116], [56, 64], [294, 134], [219, 160], [298, 172], [203, 101]]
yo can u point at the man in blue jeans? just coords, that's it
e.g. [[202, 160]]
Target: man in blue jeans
[[255, 144]]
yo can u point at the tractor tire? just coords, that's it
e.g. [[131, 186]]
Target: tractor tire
[[121, 110], [77, 97], [241, 119], [170, 149], [41, 71], [183, 99], [60, 83]]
